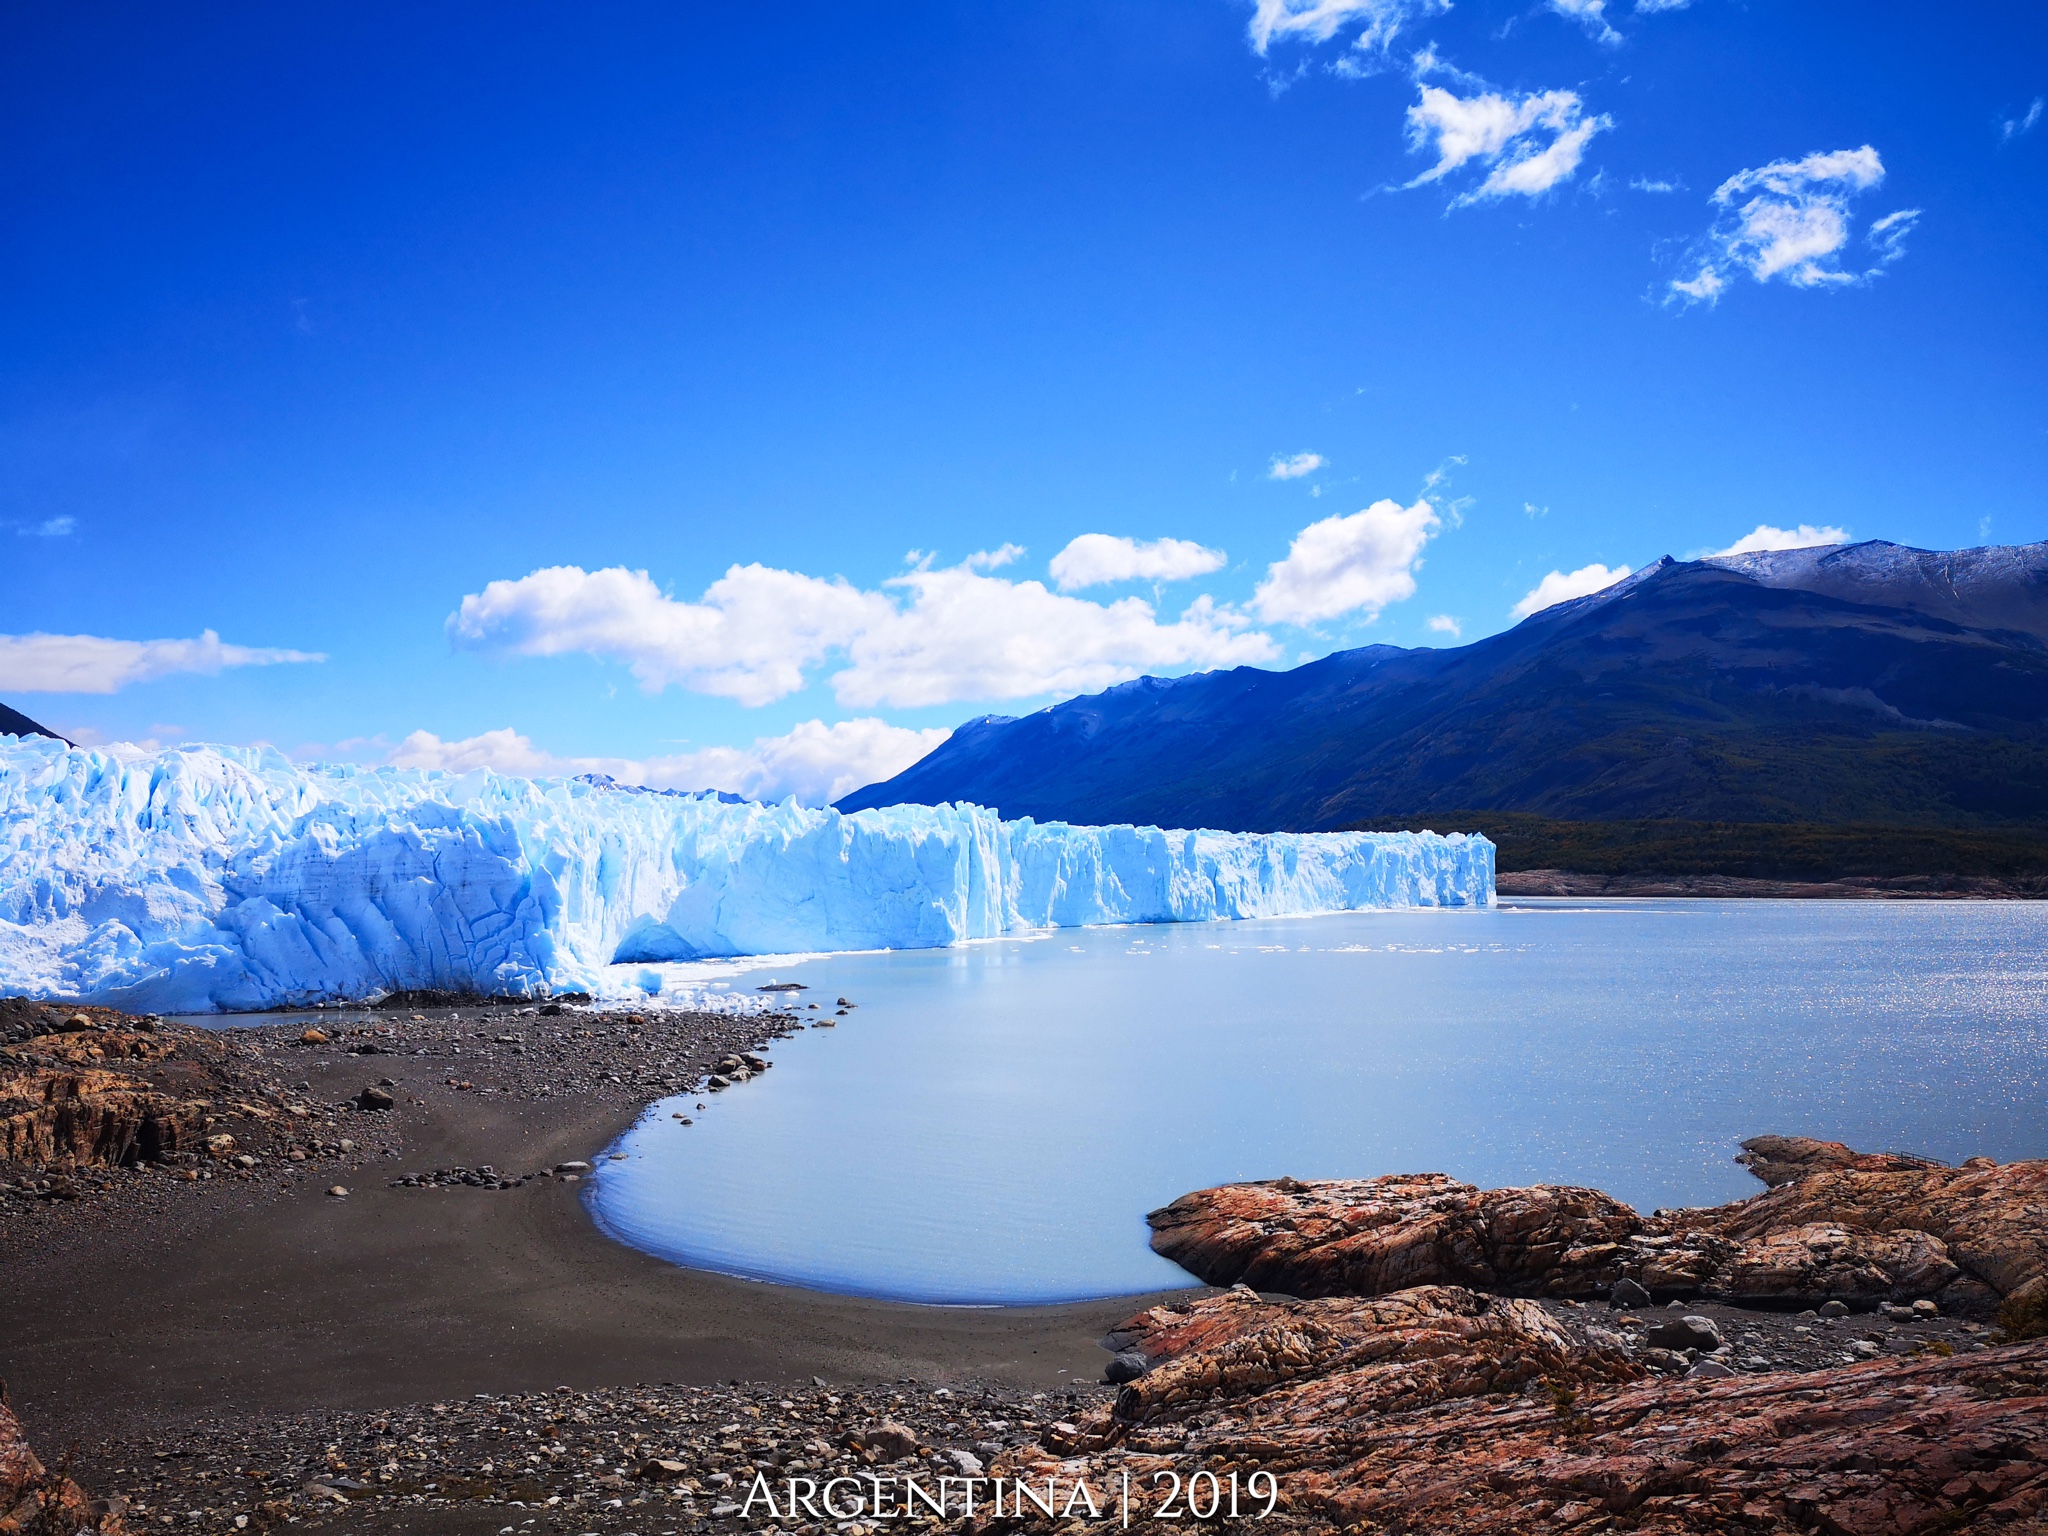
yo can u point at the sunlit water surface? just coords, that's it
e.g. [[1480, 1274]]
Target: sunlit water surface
[[992, 1123]]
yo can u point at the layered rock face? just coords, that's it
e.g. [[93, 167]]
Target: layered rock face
[[1437, 1409], [93, 1087], [35, 1501], [1837, 1225]]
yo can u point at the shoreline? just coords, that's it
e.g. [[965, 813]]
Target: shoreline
[[239, 1297], [1564, 882]]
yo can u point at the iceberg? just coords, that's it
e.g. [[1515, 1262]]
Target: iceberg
[[203, 879]]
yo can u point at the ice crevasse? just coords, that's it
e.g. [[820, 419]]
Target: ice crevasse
[[206, 878]]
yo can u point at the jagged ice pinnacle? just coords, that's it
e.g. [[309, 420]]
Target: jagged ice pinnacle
[[208, 878]]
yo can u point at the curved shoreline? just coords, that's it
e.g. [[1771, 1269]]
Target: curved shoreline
[[279, 1298]]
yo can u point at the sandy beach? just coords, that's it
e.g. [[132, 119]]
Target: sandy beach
[[277, 1297]]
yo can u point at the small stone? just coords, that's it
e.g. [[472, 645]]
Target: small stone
[[661, 1470], [966, 1463], [374, 1100], [1923, 1308], [890, 1441], [1834, 1309], [1709, 1369], [575, 1166], [338, 1191], [313, 1037]]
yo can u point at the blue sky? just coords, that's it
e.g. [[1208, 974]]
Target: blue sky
[[407, 337]]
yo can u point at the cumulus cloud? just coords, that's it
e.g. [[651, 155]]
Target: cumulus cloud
[[935, 636], [1350, 564], [1294, 467], [816, 762], [1094, 559], [1444, 624], [1789, 221], [1528, 143], [1765, 537], [2012, 127], [1317, 21], [1562, 586], [40, 663]]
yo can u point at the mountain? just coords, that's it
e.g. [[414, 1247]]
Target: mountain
[[1863, 684], [14, 723]]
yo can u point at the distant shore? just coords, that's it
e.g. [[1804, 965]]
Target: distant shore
[[1562, 882]]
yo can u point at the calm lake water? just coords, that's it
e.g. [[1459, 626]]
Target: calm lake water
[[993, 1122]]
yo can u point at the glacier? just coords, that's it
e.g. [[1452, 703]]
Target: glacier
[[204, 879]]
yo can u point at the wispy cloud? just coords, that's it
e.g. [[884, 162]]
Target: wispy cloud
[[1563, 586], [815, 762], [1293, 468], [49, 528], [1344, 565], [1096, 559], [1645, 184], [1527, 143], [1376, 22], [40, 663], [1590, 14], [1789, 221], [1765, 537], [2012, 127], [1444, 624]]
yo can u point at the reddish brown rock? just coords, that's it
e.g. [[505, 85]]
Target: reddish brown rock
[[35, 1501], [1405, 1414], [1366, 1237], [1857, 1228], [100, 1088]]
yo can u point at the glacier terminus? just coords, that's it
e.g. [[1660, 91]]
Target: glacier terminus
[[202, 879]]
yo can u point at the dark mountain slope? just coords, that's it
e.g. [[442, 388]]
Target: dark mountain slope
[[14, 723], [1762, 689]]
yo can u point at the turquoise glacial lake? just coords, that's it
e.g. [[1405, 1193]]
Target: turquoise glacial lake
[[991, 1124]]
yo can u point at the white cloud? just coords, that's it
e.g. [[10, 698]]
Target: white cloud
[[42, 663], [816, 762], [1444, 624], [2013, 127], [1344, 564], [1317, 21], [1645, 184], [1790, 221], [1562, 586], [1590, 14], [1652, 7], [49, 528], [1805, 536], [1529, 143], [937, 637], [1094, 559], [1293, 468]]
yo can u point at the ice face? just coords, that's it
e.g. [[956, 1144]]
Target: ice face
[[211, 878]]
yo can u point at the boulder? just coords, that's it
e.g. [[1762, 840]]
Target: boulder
[[1627, 1294], [1689, 1332], [1125, 1365], [375, 1100], [1366, 1237]]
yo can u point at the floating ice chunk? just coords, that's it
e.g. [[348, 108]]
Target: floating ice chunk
[[216, 878]]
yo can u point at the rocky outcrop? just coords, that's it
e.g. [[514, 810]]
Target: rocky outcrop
[[35, 1501], [93, 1087], [1445, 1411], [1365, 1237], [1836, 1225]]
